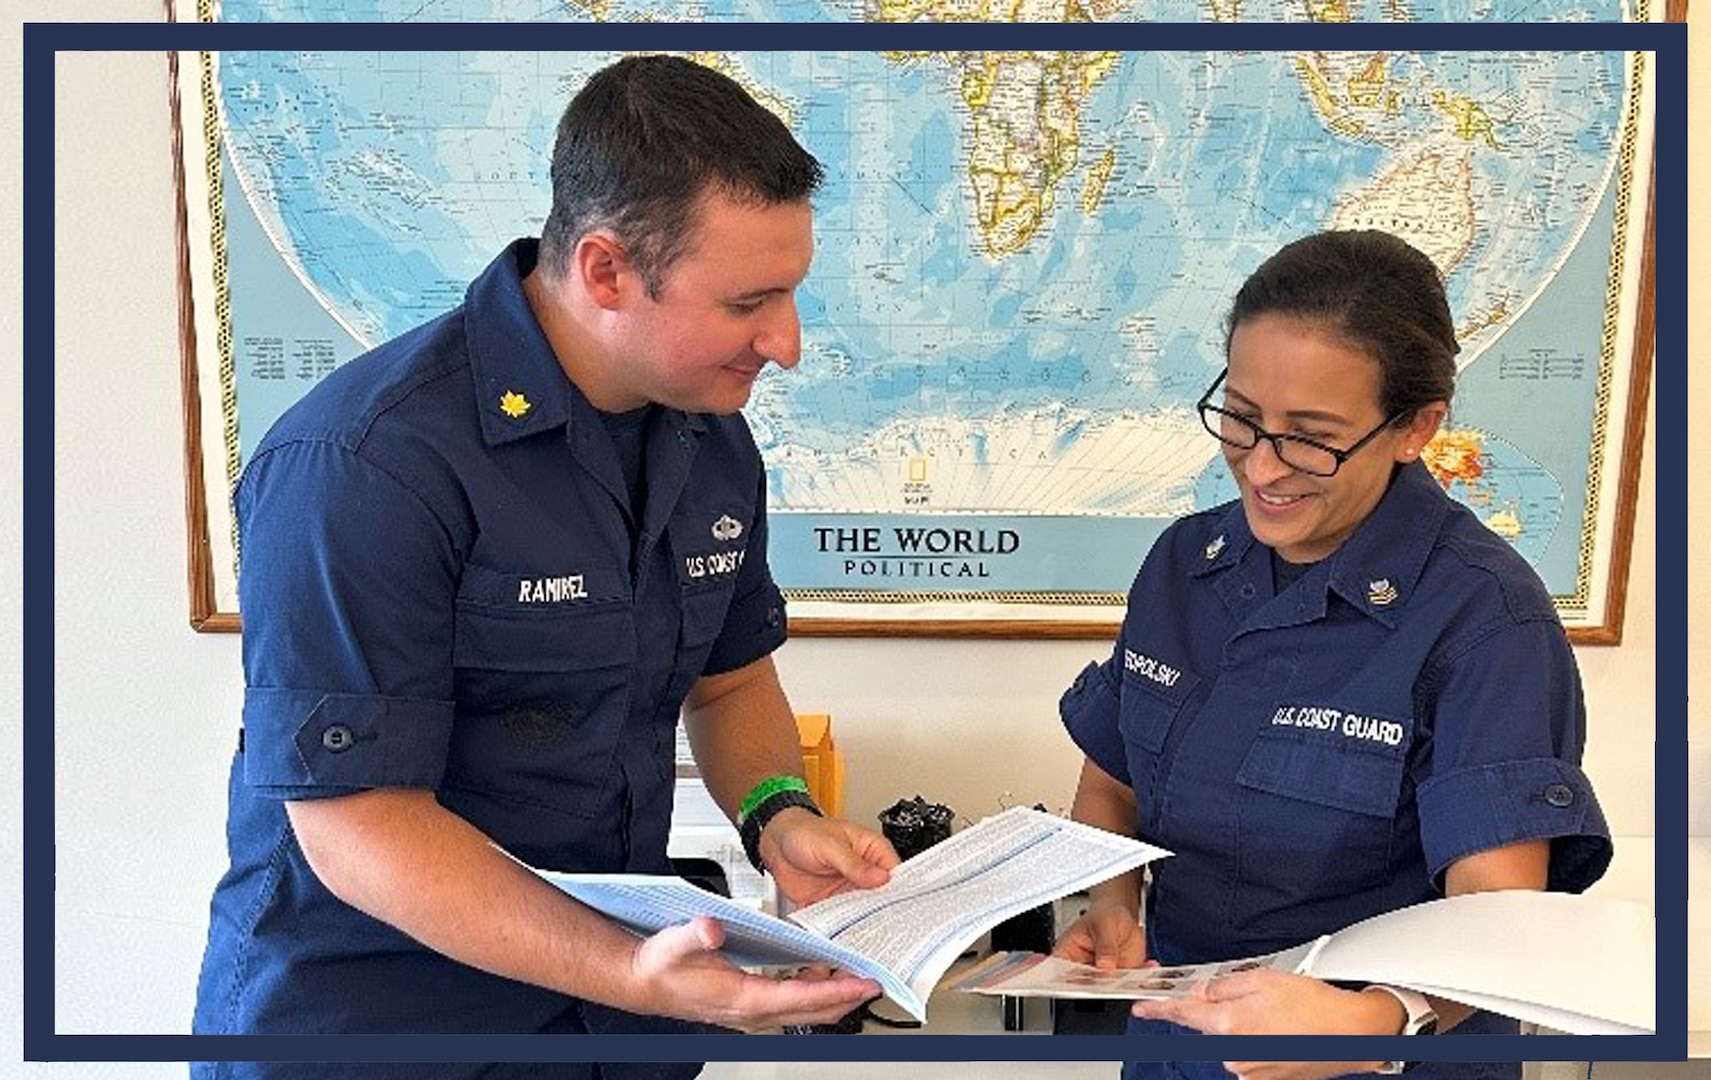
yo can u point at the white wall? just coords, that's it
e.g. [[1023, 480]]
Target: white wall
[[146, 710]]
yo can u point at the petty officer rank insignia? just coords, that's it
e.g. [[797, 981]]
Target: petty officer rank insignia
[[1215, 548], [1380, 593], [514, 405]]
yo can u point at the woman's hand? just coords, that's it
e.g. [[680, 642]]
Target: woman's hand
[[1268, 1002], [1108, 936]]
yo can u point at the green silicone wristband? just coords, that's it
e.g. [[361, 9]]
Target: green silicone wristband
[[769, 787]]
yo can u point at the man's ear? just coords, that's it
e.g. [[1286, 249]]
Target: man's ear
[[601, 269]]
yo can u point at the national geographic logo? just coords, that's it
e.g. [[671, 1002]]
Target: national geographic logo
[[916, 552]]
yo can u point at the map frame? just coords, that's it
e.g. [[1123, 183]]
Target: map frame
[[1594, 615]]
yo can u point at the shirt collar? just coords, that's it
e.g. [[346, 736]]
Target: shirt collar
[[520, 388], [1229, 541], [1378, 567]]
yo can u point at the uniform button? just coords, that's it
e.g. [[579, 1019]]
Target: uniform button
[[1559, 795], [774, 617], [338, 738], [1247, 592]]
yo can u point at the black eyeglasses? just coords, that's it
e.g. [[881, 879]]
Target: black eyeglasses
[[1296, 451]]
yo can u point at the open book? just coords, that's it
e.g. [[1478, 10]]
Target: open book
[[905, 933], [1585, 965]]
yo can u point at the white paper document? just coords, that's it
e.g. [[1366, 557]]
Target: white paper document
[[907, 932], [1585, 965]]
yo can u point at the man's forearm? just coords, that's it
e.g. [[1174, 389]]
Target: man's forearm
[[742, 730], [400, 857]]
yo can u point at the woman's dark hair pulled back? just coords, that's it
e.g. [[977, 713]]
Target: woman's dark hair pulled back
[[1377, 293]]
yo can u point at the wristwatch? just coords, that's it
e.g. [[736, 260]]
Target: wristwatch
[[756, 820], [1422, 1019]]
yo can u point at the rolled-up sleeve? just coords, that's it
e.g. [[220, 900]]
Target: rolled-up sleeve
[[1090, 711], [310, 738], [1509, 727], [756, 623], [348, 590]]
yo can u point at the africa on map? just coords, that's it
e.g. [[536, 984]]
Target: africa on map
[[1023, 262]]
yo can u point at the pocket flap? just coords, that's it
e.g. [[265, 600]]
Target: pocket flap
[[1347, 774], [544, 639]]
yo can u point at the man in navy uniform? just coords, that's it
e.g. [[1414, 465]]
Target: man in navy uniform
[[485, 568]]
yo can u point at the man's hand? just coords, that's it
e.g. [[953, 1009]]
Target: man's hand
[[812, 857], [403, 858], [742, 731], [1108, 936], [684, 975]]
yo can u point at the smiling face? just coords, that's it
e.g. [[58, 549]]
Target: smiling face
[[724, 310], [1292, 376]]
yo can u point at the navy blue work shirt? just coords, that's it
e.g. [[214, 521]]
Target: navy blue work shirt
[[440, 590], [1323, 754]]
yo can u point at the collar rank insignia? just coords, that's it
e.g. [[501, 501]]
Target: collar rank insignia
[[1215, 548], [514, 405], [1380, 593], [727, 528]]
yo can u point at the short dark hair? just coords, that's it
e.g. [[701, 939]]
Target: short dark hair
[[640, 144], [1375, 291]]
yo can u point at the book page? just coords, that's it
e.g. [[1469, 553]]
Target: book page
[[938, 902], [1025, 974], [1577, 964], [1574, 955], [1569, 1023], [907, 932], [647, 904]]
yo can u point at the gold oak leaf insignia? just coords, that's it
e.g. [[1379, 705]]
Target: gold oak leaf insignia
[[513, 404]]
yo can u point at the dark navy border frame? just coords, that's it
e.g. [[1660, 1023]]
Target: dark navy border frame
[[41, 41]]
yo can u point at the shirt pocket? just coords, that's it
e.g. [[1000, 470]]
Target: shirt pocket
[[702, 617], [1318, 811], [708, 560], [710, 545], [1151, 708], [543, 694]]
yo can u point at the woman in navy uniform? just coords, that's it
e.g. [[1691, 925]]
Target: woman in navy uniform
[[1336, 697], [484, 568]]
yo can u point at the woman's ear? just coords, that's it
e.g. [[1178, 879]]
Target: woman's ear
[[1420, 430]]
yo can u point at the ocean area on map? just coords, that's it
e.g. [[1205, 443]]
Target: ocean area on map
[[1023, 260]]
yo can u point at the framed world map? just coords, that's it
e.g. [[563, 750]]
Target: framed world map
[[1023, 262]]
